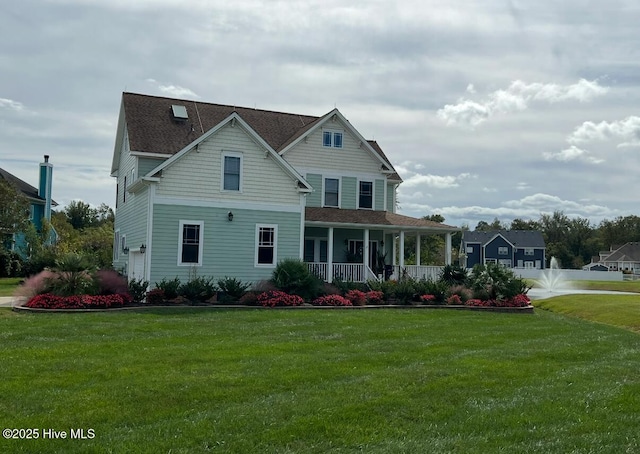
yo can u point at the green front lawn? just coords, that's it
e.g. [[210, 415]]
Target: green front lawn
[[8, 285], [293, 381], [619, 310]]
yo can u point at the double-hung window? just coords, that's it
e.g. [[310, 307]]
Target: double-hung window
[[190, 243], [331, 192], [503, 250], [365, 199], [232, 171], [332, 139], [266, 244]]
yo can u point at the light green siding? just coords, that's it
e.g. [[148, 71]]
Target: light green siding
[[146, 165], [379, 195], [228, 248], [391, 199], [315, 198], [131, 221], [349, 193]]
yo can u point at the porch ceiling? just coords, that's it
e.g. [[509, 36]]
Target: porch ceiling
[[383, 220]]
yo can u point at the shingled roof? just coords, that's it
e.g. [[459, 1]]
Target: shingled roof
[[152, 129], [520, 238], [340, 216], [22, 186], [629, 252]]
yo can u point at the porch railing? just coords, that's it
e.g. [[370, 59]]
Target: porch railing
[[417, 272]]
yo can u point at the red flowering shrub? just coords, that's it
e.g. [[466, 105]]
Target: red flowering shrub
[[50, 301], [156, 296], [331, 300], [277, 298], [357, 297], [427, 299], [454, 300], [520, 300], [375, 297]]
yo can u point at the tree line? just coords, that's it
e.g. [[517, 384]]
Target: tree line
[[574, 241]]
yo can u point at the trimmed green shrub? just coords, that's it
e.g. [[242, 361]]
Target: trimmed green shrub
[[293, 276], [405, 291], [233, 289], [198, 289], [138, 290], [169, 287]]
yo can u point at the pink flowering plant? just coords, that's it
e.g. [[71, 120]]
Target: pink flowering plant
[[427, 299], [375, 297], [454, 300], [332, 300], [50, 301], [357, 297], [275, 298]]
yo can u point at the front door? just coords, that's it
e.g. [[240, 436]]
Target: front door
[[136, 265]]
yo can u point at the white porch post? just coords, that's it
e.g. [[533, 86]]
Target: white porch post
[[447, 249], [330, 255], [401, 248], [365, 248], [394, 260], [418, 250]]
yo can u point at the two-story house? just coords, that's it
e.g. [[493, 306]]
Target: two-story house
[[218, 190], [510, 248], [40, 203]]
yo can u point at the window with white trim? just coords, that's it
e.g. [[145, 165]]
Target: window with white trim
[[332, 139], [365, 196], [232, 171], [503, 250], [331, 192], [190, 243], [528, 251], [266, 244]]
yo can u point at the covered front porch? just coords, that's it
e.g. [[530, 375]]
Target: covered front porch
[[358, 245]]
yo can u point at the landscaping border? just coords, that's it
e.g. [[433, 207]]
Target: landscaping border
[[522, 310]]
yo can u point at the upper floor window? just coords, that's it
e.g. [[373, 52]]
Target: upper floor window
[[331, 192], [503, 250], [332, 139], [232, 171], [190, 243], [365, 199], [528, 251]]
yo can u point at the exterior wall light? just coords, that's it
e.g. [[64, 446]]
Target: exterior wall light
[[230, 216]]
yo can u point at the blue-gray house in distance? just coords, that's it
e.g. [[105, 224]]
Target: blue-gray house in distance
[[511, 248]]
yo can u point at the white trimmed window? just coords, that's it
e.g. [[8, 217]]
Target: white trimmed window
[[190, 243], [332, 139], [266, 244], [503, 250], [331, 192], [365, 194], [528, 251], [232, 171]]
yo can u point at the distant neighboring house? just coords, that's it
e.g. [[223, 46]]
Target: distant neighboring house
[[216, 190], [511, 248], [40, 200], [624, 258]]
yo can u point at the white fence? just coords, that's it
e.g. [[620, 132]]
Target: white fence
[[572, 275]]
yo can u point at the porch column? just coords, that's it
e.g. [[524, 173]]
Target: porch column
[[365, 248], [418, 250], [447, 249], [401, 249], [394, 261], [330, 255]]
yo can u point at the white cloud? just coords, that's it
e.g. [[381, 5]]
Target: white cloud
[[517, 97], [627, 130], [435, 181], [174, 90], [572, 153], [10, 104]]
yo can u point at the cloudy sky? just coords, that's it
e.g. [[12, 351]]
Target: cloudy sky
[[486, 108]]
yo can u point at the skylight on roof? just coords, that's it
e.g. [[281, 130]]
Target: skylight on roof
[[179, 112]]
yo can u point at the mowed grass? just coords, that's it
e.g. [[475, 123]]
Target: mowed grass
[[617, 310], [8, 285], [296, 381]]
